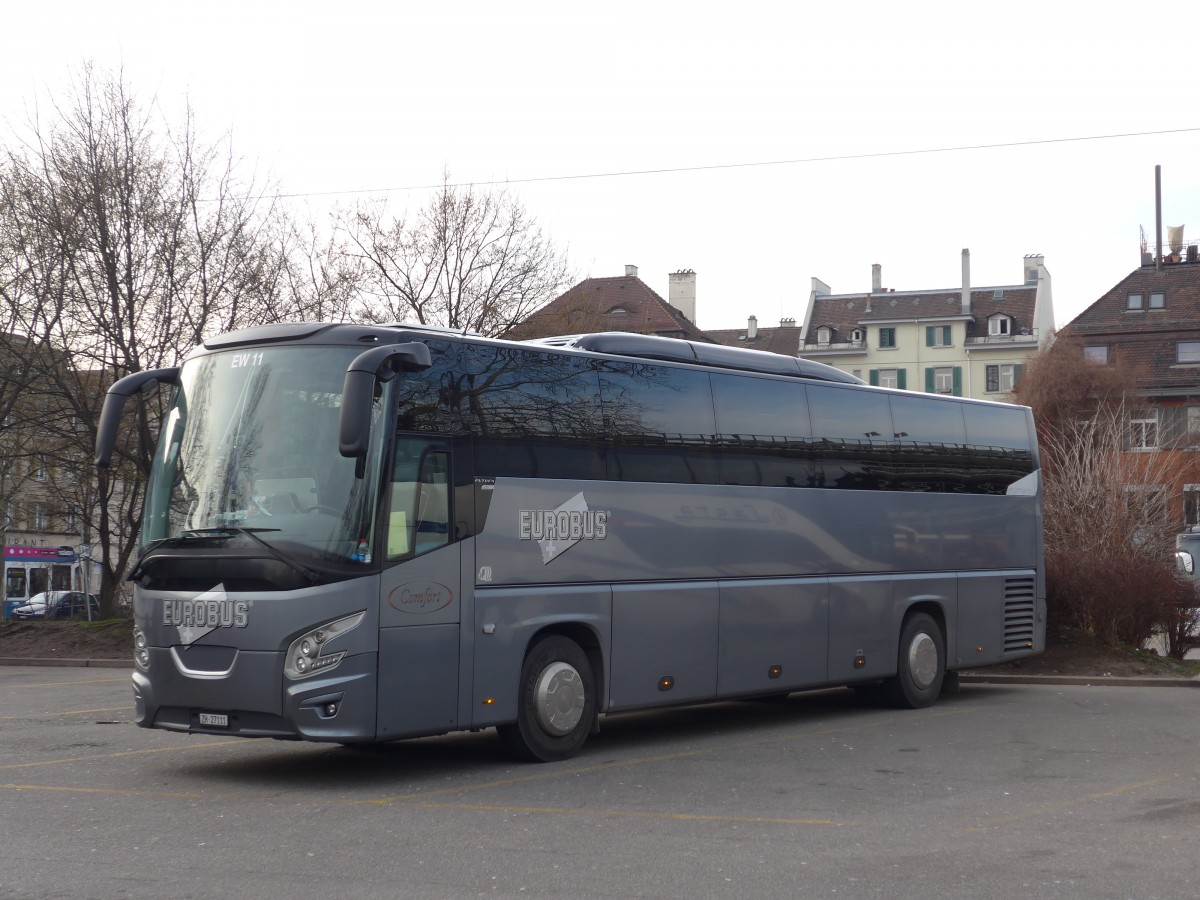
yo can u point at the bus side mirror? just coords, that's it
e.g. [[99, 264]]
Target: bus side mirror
[[358, 391], [114, 402]]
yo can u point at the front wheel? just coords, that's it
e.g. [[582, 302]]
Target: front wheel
[[556, 702], [921, 664]]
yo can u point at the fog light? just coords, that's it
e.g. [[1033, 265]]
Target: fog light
[[331, 709]]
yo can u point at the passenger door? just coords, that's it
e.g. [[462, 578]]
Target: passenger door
[[420, 603]]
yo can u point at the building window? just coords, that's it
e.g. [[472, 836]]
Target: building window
[[1158, 301], [889, 378], [944, 380], [857, 373], [1096, 354], [71, 518], [40, 472], [1191, 505], [1135, 301], [937, 335], [39, 518], [1003, 378], [999, 326], [824, 334], [887, 338], [856, 335], [1193, 427], [1187, 352], [1143, 430]]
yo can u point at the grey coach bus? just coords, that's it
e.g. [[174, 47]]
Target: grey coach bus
[[364, 533]]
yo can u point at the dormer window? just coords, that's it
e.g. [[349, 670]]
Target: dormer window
[[618, 311], [999, 326], [824, 334], [857, 335]]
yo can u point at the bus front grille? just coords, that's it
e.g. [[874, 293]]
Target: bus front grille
[[1019, 612]]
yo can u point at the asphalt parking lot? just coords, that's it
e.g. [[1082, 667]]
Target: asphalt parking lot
[[998, 791]]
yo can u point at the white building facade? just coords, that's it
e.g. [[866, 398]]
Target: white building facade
[[967, 341]]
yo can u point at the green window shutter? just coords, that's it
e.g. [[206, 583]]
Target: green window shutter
[[901, 379], [958, 381], [929, 335], [929, 382], [1017, 375], [873, 377], [945, 335]]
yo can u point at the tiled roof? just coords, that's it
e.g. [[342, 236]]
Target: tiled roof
[[621, 303], [845, 312], [784, 339], [1145, 340]]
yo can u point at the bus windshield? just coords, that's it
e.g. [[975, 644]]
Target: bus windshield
[[250, 447]]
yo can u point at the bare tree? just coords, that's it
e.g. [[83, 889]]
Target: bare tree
[[134, 242], [468, 259], [1109, 533]]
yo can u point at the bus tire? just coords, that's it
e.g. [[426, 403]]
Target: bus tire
[[920, 664], [556, 702]]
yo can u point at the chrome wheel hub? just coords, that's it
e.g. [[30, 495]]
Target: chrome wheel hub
[[560, 698], [922, 661]]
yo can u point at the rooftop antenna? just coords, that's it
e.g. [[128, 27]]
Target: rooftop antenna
[[1158, 218]]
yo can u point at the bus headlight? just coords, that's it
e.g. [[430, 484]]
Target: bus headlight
[[307, 654], [141, 654]]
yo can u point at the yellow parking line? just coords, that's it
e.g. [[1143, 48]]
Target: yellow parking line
[[124, 680], [542, 775], [630, 814], [1052, 808], [122, 755], [171, 795], [71, 712]]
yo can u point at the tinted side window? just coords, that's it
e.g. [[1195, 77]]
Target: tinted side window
[[534, 414], [763, 431], [660, 423], [1000, 444], [431, 400], [931, 451], [852, 438]]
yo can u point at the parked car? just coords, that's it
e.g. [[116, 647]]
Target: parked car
[[58, 605]]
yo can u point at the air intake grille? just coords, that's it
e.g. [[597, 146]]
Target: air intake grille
[[1020, 609]]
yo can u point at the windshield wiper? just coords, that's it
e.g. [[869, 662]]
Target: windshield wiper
[[252, 533], [226, 531]]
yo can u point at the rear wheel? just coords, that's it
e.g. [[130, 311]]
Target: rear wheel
[[921, 664], [556, 702]]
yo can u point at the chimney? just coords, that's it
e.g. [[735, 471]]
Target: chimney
[[631, 271], [966, 286], [1032, 262], [876, 278], [752, 328], [682, 292]]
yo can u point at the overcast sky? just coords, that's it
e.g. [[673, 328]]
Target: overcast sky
[[338, 101]]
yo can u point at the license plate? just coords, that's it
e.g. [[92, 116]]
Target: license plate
[[214, 720]]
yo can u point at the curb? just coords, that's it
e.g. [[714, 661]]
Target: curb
[[66, 663], [1082, 680]]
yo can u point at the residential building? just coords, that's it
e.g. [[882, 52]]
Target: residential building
[[783, 339], [968, 341], [1149, 324], [620, 303]]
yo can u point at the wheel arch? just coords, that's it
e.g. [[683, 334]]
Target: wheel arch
[[933, 608], [585, 635]]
